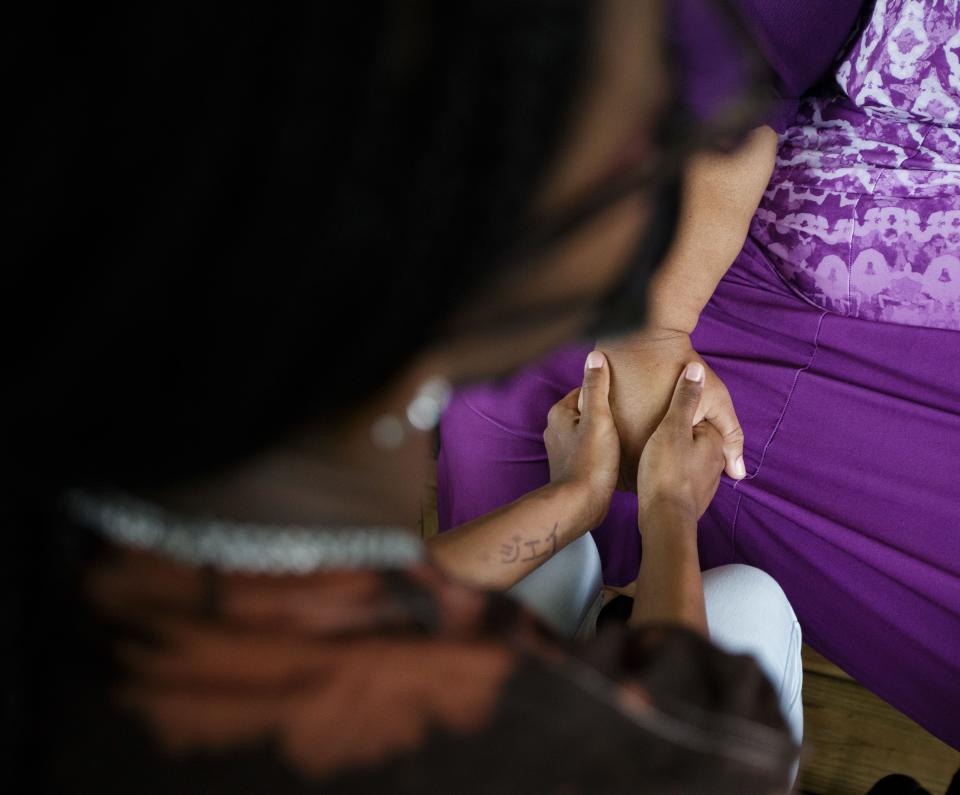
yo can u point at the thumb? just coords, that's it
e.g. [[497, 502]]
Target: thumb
[[686, 396], [595, 393], [723, 417]]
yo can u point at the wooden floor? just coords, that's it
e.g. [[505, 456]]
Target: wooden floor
[[851, 737]]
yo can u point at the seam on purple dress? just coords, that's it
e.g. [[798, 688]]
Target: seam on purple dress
[[773, 433], [786, 403]]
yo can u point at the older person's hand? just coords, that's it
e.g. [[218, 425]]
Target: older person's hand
[[643, 370]]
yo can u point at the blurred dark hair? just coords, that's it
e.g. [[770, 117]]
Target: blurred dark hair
[[227, 221], [231, 220]]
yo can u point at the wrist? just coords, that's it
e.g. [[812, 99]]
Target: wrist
[[672, 320], [650, 337], [667, 513], [671, 311], [584, 504]]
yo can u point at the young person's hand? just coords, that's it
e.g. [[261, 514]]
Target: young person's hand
[[500, 548], [583, 447], [681, 463]]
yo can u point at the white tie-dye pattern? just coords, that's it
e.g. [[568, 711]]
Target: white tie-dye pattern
[[907, 42], [862, 216]]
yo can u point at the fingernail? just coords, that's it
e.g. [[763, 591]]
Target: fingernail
[[594, 360], [580, 401], [740, 468], [694, 372]]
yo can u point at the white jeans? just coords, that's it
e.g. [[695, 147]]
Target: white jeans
[[747, 613]]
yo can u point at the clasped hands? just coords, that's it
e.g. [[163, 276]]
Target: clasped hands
[[651, 417]]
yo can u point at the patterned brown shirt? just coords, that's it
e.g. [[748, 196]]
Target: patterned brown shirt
[[191, 680]]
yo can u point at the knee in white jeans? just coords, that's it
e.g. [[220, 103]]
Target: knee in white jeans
[[748, 613], [566, 590]]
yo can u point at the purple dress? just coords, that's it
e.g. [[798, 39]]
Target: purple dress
[[835, 331]]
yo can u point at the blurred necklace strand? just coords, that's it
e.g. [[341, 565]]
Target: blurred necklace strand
[[242, 546]]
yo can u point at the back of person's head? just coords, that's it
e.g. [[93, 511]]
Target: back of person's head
[[228, 219], [229, 222]]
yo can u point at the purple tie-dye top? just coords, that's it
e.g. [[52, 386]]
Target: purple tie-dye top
[[862, 214]]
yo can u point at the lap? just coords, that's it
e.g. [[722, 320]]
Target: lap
[[853, 480]]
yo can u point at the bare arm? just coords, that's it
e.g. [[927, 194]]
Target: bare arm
[[721, 195], [669, 589], [499, 549], [583, 448], [678, 475]]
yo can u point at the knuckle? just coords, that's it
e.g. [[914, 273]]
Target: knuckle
[[734, 435], [689, 395]]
